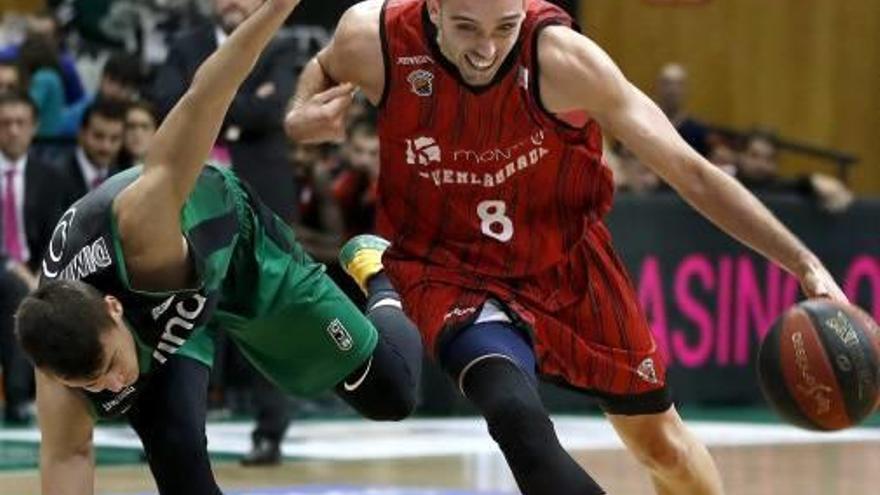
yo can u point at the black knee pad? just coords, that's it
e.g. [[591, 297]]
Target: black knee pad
[[380, 397], [507, 398], [386, 387], [521, 426]]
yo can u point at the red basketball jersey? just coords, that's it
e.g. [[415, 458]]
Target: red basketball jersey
[[480, 181]]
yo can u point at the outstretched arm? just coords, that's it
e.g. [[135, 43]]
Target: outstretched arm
[[578, 75], [148, 211]]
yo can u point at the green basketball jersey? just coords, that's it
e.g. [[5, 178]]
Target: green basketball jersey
[[253, 281]]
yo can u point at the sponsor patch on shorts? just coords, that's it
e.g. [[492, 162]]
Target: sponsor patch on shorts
[[340, 335]]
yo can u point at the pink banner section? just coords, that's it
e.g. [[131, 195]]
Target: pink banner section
[[730, 302]]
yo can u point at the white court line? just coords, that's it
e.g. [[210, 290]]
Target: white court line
[[360, 439]]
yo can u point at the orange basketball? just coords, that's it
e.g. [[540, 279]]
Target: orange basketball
[[819, 365]]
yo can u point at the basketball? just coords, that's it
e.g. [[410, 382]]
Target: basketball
[[819, 365]]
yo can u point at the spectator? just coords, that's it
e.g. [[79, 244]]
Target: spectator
[[320, 224], [10, 79], [630, 174], [120, 82], [141, 122], [758, 170], [17, 372], [252, 139], [724, 156], [672, 94], [29, 208], [355, 187], [99, 144], [30, 188], [44, 24], [38, 60]]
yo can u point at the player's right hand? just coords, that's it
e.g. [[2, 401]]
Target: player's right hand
[[817, 282], [322, 117]]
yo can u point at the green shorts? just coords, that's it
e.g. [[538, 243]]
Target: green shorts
[[284, 313]]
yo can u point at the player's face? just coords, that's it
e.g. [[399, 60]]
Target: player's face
[[17, 129], [119, 365], [231, 13], [101, 139], [477, 35]]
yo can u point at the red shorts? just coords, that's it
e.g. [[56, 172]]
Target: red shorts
[[587, 329]]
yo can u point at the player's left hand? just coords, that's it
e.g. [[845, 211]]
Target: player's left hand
[[817, 282]]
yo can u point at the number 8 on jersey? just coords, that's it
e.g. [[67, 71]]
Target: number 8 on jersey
[[495, 222]]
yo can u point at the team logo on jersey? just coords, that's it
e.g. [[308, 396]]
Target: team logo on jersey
[[57, 243], [340, 335], [422, 151], [422, 82], [647, 372]]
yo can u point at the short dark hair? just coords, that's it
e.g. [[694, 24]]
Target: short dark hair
[[125, 69], [59, 327], [108, 109], [19, 98], [147, 107], [35, 53]]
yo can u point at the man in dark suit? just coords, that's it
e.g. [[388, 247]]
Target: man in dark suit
[[252, 139], [99, 143], [32, 187], [30, 205], [253, 142], [17, 371]]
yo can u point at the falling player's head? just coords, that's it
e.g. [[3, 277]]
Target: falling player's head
[[477, 35], [73, 333]]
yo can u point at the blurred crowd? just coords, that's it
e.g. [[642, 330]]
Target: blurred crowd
[[77, 105], [752, 157]]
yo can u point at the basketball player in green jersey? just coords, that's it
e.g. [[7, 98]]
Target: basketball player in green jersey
[[142, 271]]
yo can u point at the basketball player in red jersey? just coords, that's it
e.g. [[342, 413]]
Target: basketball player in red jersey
[[492, 192]]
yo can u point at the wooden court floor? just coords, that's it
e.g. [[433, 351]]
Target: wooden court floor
[[815, 469]]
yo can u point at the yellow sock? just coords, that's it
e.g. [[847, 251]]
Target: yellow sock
[[365, 264]]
